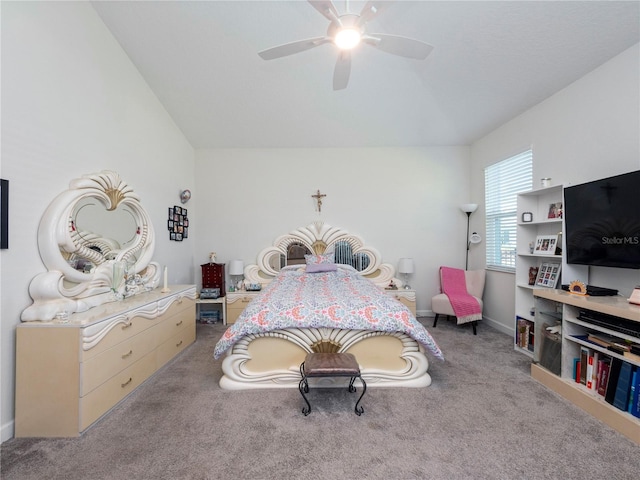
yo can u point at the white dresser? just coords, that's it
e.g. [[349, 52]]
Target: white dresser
[[68, 375]]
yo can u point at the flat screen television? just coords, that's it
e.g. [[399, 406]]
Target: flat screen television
[[602, 222]]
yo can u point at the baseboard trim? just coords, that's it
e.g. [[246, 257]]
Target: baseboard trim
[[486, 320], [7, 431]]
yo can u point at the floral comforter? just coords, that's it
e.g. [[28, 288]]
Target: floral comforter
[[337, 299]]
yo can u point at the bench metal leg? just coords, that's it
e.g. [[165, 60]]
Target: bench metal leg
[[359, 411], [303, 386]]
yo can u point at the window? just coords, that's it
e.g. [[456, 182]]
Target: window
[[503, 181]]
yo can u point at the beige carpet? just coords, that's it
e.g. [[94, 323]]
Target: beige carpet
[[483, 417]]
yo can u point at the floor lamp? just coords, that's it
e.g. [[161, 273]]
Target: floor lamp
[[468, 208]]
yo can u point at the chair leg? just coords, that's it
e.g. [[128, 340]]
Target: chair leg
[[474, 324], [435, 320]]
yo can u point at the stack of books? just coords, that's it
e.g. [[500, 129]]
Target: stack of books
[[611, 377]]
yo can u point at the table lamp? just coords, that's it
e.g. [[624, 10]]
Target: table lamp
[[236, 271], [405, 267]]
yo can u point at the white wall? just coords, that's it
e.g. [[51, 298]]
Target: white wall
[[402, 201], [589, 130], [72, 103]]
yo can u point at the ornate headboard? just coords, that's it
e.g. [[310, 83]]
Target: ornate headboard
[[319, 238]]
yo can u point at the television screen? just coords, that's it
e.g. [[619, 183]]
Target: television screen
[[602, 222]]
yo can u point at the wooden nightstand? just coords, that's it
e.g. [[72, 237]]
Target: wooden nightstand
[[236, 303], [405, 296]]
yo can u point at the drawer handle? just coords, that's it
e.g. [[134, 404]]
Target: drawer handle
[[127, 382], [246, 300], [179, 343], [127, 325], [179, 323], [179, 300], [127, 354]]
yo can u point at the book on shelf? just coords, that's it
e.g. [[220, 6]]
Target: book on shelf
[[610, 342], [632, 389], [525, 333], [584, 361], [605, 364], [635, 407], [589, 376], [621, 398], [614, 373], [594, 374], [576, 369]]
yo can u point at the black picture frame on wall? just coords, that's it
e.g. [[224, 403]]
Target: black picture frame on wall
[[4, 214]]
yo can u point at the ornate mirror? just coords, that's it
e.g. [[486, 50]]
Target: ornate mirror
[[96, 241]]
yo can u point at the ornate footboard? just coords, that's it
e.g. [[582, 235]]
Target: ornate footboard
[[272, 359]]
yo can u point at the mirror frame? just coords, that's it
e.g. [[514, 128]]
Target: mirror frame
[[63, 288]]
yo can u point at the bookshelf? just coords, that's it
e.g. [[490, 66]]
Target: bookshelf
[[555, 303], [533, 208]]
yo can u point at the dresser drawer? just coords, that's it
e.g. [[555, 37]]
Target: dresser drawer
[[100, 400], [177, 343], [118, 333], [236, 305], [180, 305], [174, 324], [99, 368]]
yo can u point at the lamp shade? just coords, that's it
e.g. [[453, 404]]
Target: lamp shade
[[405, 265], [469, 207], [236, 267]]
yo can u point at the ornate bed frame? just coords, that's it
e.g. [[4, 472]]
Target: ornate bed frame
[[272, 360]]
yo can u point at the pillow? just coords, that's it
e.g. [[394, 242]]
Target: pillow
[[321, 267], [314, 259]]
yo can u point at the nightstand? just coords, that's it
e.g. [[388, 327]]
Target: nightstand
[[209, 301], [236, 303], [405, 296]]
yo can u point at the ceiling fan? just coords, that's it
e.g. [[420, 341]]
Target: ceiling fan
[[346, 31]]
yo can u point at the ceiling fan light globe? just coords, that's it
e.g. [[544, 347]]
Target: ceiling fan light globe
[[347, 38]]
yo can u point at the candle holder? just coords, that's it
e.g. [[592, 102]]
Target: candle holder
[[165, 288]]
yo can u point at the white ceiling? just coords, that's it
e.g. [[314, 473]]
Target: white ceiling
[[491, 61]]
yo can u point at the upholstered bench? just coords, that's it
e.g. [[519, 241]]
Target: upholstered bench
[[330, 365]]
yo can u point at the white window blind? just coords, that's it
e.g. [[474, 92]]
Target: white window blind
[[503, 181]]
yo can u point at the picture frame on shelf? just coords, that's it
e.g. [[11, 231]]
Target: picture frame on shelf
[[545, 245], [548, 275], [555, 210]]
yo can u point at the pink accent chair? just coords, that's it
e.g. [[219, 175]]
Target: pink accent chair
[[440, 304]]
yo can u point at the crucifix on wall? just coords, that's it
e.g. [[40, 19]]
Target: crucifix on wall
[[319, 196]]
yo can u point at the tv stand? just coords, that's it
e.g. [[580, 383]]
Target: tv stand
[[575, 324]]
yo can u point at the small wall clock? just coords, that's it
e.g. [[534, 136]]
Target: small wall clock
[[527, 217]]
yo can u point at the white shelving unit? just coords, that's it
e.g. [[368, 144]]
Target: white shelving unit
[[536, 202], [561, 380]]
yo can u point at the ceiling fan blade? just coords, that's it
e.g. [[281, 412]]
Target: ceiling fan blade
[[342, 71], [292, 48], [403, 46], [326, 8], [371, 10]]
